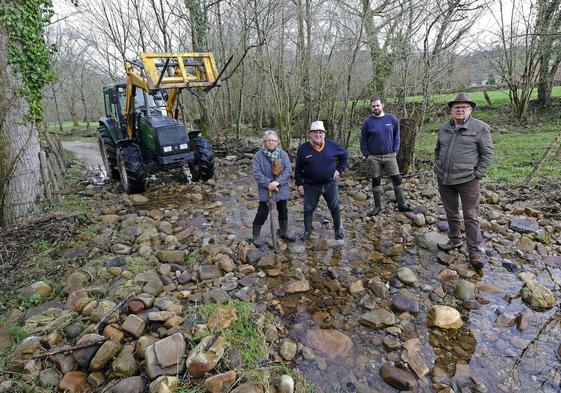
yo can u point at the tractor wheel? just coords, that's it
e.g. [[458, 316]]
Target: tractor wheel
[[131, 169], [108, 150], [203, 166]]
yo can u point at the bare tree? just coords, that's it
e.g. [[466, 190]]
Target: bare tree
[[518, 63]]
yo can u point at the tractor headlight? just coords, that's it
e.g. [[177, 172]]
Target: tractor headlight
[[183, 146], [167, 149]]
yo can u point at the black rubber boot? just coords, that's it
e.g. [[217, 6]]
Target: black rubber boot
[[377, 204], [402, 206], [308, 218], [336, 215], [283, 231], [257, 236]]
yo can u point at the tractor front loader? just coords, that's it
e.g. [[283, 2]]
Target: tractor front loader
[[140, 132]]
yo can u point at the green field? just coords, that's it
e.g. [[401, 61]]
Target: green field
[[497, 97]]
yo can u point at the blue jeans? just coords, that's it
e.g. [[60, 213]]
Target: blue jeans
[[329, 191]]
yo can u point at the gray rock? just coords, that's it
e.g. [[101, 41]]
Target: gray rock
[[288, 349], [429, 240], [105, 353], [442, 226], [524, 225], [134, 325], [163, 303], [49, 378], [209, 272], [378, 318], [379, 288], [130, 385], [125, 364], [404, 303], [154, 287], [407, 276], [216, 296], [84, 356], [465, 290], [170, 350], [253, 256], [115, 262], [536, 295]]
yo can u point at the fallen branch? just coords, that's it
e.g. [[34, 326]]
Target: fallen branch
[[68, 349]]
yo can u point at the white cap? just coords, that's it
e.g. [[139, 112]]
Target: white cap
[[317, 126]]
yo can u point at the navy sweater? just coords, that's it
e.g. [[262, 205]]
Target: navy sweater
[[379, 135], [313, 167]]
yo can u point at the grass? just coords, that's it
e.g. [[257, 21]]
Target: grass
[[68, 126], [244, 335], [497, 97]]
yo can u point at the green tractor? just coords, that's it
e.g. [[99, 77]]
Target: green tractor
[[140, 133]]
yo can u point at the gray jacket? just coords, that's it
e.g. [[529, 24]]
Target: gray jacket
[[263, 174], [464, 153]]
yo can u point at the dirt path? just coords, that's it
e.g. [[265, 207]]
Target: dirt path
[[87, 152]]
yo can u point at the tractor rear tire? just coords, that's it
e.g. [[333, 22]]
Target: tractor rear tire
[[203, 166], [108, 151], [131, 169]]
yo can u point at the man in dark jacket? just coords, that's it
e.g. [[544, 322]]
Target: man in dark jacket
[[464, 151], [379, 143], [319, 163]]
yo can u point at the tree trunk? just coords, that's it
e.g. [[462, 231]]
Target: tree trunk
[[20, 189], [545, 82], [406, 157]]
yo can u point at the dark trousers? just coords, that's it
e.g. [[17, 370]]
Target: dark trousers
[[468, 193], [263, 212], [329, 191]]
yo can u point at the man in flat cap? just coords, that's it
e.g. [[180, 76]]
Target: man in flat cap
[[319, 163], [464, 151]]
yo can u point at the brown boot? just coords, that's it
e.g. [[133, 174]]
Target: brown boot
[[451, 245], [475, 261]]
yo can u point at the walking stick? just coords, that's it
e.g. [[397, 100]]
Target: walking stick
[[273, 233]]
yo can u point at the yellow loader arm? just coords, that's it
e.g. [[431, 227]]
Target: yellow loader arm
[[188, 70]]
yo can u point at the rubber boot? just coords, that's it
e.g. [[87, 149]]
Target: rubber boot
[[402, 206], [377, 204], [336, 215], [283, 231], [257, 236], [308, 218]]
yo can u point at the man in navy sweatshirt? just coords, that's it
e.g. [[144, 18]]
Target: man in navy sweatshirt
[[379, 143], [319, 163]]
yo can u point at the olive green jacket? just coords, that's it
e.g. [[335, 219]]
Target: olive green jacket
[[463, 153]]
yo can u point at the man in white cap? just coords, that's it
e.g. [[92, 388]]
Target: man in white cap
[[319, 163], [464, 151]]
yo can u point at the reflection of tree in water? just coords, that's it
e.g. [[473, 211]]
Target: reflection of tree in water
[[536, 363]]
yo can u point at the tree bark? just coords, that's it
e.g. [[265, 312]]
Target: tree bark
[[406, 157], [20, 188]]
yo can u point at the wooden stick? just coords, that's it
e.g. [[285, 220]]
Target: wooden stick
[[45, 174], [68, 349]]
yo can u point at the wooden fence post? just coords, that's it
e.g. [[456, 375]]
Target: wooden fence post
[[45, 174]]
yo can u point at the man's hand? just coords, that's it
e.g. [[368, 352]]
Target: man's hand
[[300, 190], [336, 175], [274, 186]]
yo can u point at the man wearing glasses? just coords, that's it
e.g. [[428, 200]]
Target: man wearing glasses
[[319, 163], [464, 151]]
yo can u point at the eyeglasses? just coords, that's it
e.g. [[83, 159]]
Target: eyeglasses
[[317, 131], [270, 140], [461, 107]]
